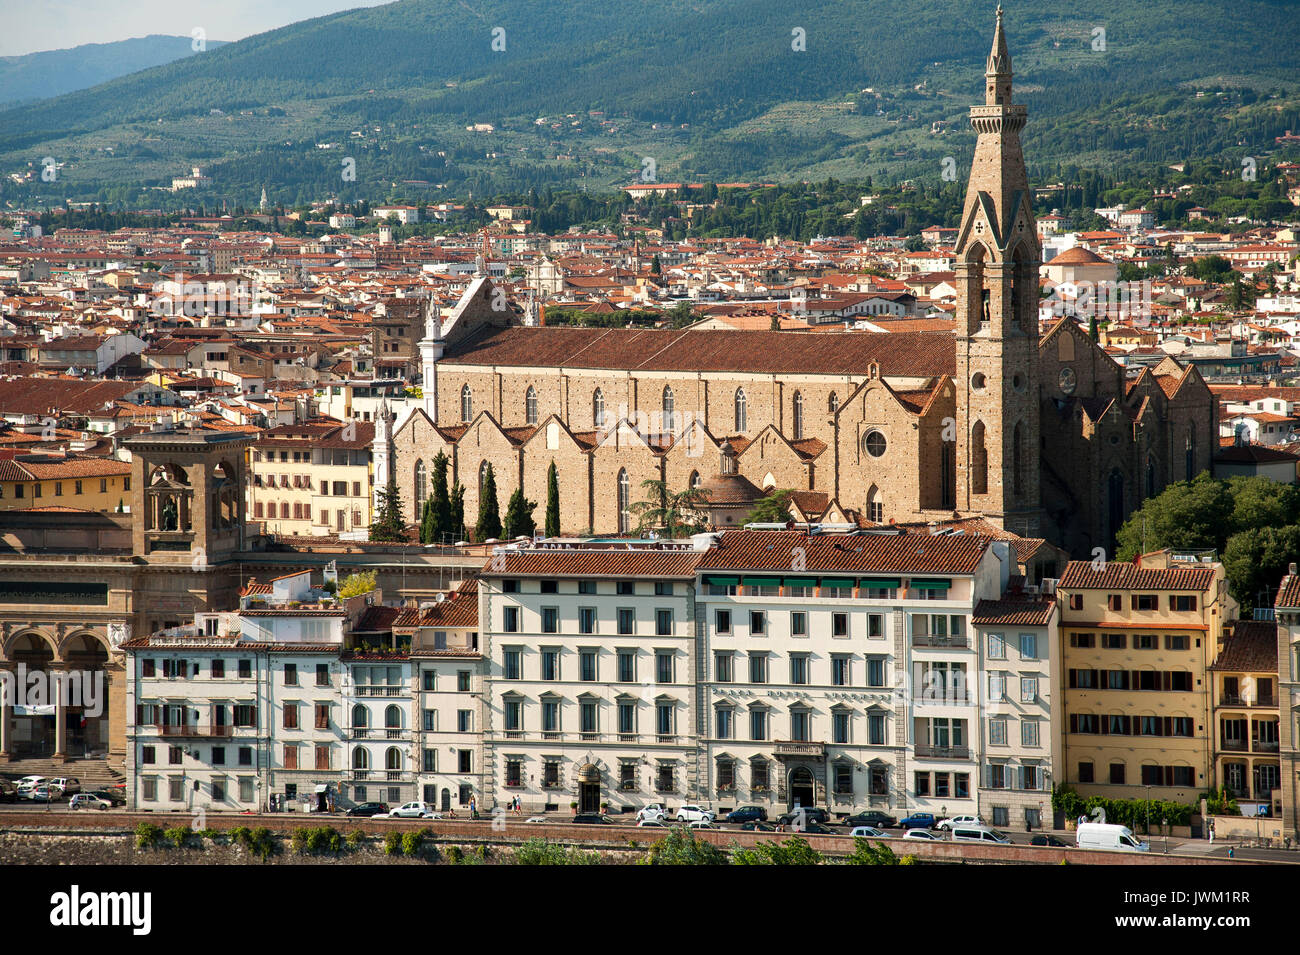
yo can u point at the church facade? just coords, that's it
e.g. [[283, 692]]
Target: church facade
[[1041, 434]]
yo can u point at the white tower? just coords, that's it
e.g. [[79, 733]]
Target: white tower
[[381, 451], [431, 347]]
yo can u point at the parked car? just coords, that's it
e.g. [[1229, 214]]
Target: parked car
[[923, 834], [1101, 835], [814, 814], [747, 814], [87, 801], [817, 829], [412, 810], [757, 827], [694, 814], [651, 824], [979, 834], [7, 791], [368, 809], [592, 819], [869, 832], [29, 782], [873, 818], [1045, 839], [655, 812], [535, 819], [36, 794], [65, 786], [702, 824], [112, 795], [960, 821], [919, 820]]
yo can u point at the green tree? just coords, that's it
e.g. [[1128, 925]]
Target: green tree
[[773, 508], [388, 524], [553, 501], [866, 852], [793, 851], [426, 521], [775, 326], [440, 521], [1184, 516], [457, 524], [656, 267], [1093, 333], [1255, 562], [670, 513], [681, 847], [354, 584], [489, 514], [519, 516]]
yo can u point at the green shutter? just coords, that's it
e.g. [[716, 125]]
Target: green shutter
[[931, 584], [837, 581], [882, 583]]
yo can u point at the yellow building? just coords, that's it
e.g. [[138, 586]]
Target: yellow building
[[83, 482], [1245, 700], [313, 479], [1137, 642]]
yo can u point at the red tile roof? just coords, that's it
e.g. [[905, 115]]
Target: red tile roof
[[842, 353], [1122, 575], [1013, 613], [594, 563], [1251, 646], [858, 553], [1288, 594]]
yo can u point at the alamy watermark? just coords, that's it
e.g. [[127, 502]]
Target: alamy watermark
[[27, 690]]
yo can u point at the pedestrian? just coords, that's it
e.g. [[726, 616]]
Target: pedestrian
[[1211, 832], [1230, 854]]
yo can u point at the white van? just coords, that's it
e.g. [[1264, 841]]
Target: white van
[[1101, 835], [977, 833]]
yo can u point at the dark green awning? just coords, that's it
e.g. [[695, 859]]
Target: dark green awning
[[837, 581], [881, 583], [722, 581], [761, 581], [801, 581], [931, 584]]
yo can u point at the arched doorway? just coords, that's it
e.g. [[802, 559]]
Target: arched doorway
[[446, 799], [802, 791], [589, 788], [86, 699], [32, 732]]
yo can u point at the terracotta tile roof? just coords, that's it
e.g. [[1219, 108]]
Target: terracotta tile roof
[[840, 353], [639, 564], [1122, 575], [460, 610], [33, 395], [1251, 646], [1288, 594], [1010, 612], [874, 553], [375, 619]]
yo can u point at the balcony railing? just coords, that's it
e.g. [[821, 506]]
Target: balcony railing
[[193, 730], [938, 642], [1233, 745], [926, 751], [1233, 699], [1264, 746]]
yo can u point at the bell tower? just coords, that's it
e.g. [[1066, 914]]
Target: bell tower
[[998, 257]]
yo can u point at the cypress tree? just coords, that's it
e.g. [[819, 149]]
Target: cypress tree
[[553, 501], [440, 508], [388, 524], [489, 512], [457, 525], [519, 516]]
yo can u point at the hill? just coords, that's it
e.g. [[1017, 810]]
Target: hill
[[586, 92], [36, 76]]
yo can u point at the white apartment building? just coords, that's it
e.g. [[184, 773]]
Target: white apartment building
[[245, 705], [591, 675], [1021, 743]]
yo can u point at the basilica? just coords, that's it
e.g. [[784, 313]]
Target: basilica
[[1036, 431]]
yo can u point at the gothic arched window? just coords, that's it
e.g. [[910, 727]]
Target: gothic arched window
[[796, 421], [979, 460], [421, 480], [742, 411], [530, 406], [466, 404], [669, 404], [624, 502], [598, 408]]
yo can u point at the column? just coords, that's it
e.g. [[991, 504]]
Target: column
[[6, 714], [60, 714]]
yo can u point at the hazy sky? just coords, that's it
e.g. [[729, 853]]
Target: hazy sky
[[32, 25]]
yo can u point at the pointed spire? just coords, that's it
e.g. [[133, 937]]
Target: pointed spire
[[998, 70]]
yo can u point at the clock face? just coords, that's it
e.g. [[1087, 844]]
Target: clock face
[[1067, 380]]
